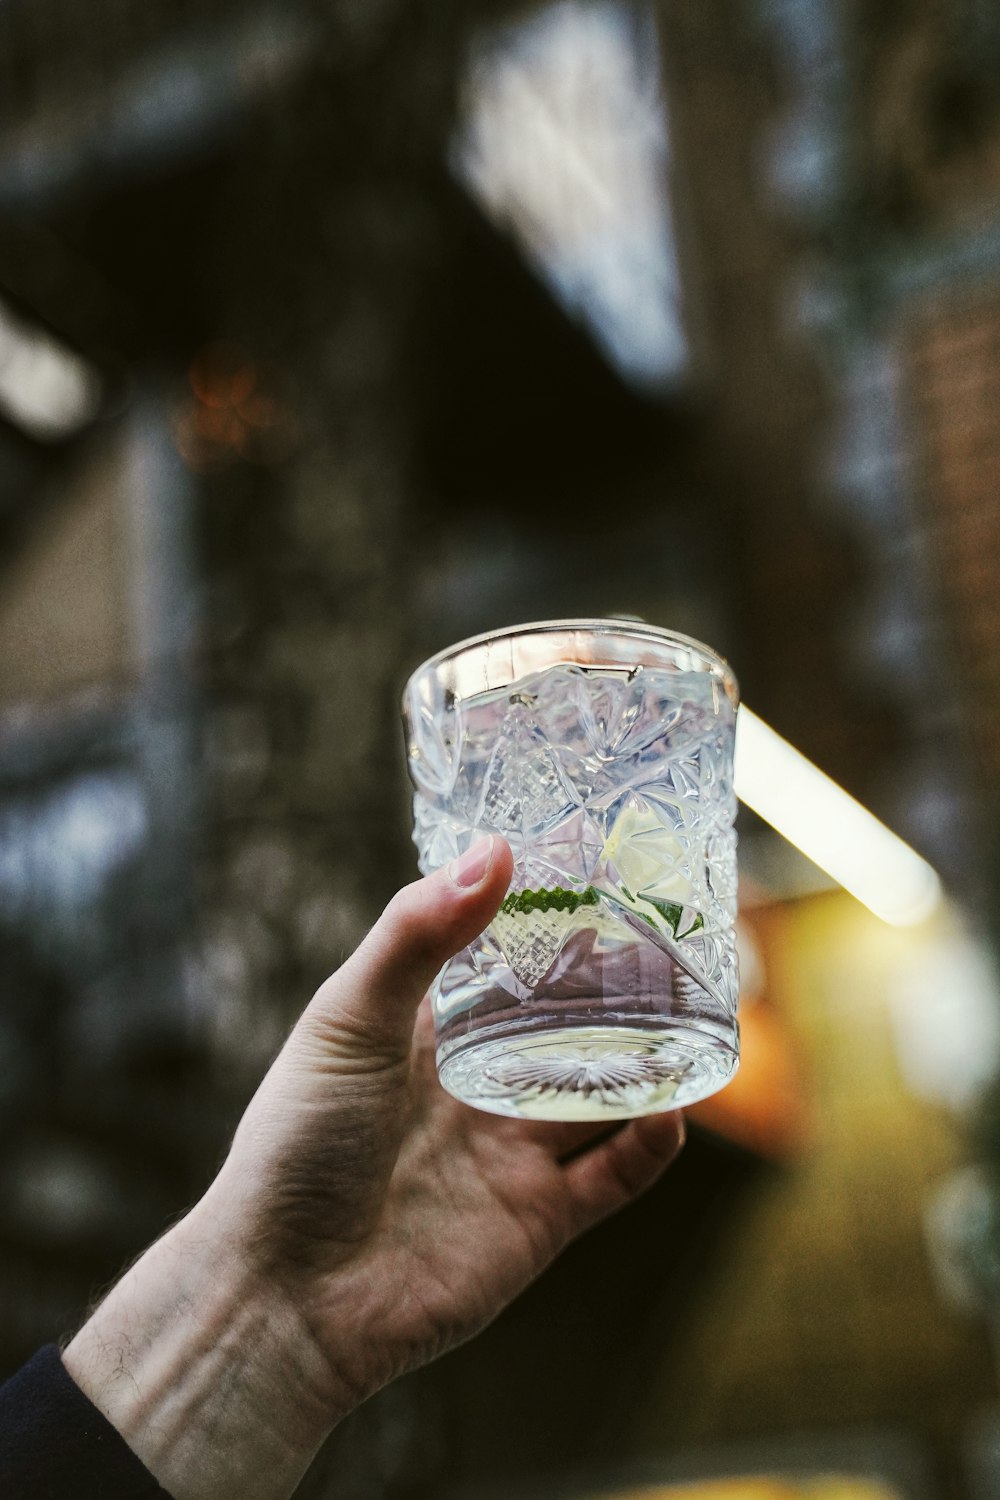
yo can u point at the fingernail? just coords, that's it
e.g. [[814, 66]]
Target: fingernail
[[471, 867]]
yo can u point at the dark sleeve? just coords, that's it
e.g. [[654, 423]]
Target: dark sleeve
[[56, 1445]]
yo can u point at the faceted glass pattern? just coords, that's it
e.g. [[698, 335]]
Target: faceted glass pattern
[[611, 968]]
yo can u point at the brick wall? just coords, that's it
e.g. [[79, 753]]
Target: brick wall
[[953, 352]]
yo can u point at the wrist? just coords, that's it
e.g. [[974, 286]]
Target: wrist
[[209, 1373]]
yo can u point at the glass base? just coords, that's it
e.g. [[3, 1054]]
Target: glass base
[[586, 1072]]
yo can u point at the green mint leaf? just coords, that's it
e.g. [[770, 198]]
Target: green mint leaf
[[670, 911]]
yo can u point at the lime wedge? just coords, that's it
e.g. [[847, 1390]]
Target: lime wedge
[[544, 899]]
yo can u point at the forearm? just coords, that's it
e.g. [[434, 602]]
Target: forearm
[[213, 1381]]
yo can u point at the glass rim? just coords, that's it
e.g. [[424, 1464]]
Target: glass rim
[[609, 625]]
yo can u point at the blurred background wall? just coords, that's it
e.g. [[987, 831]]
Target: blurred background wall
[[331, 333]]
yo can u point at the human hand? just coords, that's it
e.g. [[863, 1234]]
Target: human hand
[[363, 1222]]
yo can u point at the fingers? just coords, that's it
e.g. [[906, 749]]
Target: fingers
[[370, 1004], [562, 1140], [611, 1174]]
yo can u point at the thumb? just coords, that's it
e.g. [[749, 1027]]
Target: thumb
[[369, 1006]]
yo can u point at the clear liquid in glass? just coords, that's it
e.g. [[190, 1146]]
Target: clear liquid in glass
[[607, 985]]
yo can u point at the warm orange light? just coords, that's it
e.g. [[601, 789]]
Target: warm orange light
[[236, 412], [222, 375]]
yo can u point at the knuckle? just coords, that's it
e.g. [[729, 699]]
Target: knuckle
[[408, 928], [400, 913]]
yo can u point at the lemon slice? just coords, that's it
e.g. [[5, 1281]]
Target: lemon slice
[[646, 856]]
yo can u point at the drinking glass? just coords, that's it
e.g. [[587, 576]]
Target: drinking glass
[[602, 750]]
